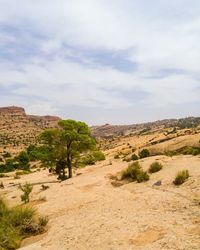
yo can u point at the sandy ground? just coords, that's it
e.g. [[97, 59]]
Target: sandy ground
[[87, 212]]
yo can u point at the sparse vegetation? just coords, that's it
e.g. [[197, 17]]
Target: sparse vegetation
[[3, 175], [134, 157], [142, 176], [155, 167], [6, 155], [1, 185], [144, 153], [18, 223], [92, 158], [181, 177], [134, 172], [23, 160], [44, 187], [27, 189]]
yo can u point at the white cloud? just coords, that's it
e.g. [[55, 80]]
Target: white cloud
[[160, 38]]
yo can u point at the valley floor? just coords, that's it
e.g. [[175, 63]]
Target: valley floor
[[87, 212]]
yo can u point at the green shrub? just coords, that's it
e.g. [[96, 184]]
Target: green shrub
[[142, 176], [155, 167], [17, 223], [22, 172], [92, 158], [195, 151], [6, 155], [170, 153], [27, 189], [98, 156], [181, 177], [23, 160], [144, 153], [134, 157], [132, 171], [8, 166]]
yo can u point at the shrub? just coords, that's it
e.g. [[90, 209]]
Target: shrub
[[3, 175], [131, 172], [135, 173], [134, 157], [1, 185], [92, 158], [27, 189], [170, 153], [22, 172], [116, 157], [8, 166], [16, 176], [142, 176], [144, 153], [23, 160], [18, 223], [181, 177], [98, 156], [6, 155], [155, 167], [44, 187]]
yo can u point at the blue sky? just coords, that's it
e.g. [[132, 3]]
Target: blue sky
[[116, 61]]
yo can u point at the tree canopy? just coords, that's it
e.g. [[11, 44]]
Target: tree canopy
[[65, 144]]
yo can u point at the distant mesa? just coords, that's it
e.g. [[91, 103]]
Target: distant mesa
[[19, 129]]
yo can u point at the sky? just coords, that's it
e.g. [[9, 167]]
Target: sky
[[100, 61]]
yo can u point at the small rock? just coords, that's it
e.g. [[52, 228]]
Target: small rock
[[157, 183]]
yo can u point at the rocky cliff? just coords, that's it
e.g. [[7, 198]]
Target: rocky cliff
[[19, 129]]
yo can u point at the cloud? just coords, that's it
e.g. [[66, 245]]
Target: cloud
[[97, 57]]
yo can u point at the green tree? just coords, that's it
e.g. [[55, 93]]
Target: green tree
[[23, 160], [66, 143]]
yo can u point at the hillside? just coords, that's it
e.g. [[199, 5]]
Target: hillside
[[118, 130], [17, 129], [96, 209]]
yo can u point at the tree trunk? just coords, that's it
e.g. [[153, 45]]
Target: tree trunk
[[63, 173], [69, 166], [70, 171]]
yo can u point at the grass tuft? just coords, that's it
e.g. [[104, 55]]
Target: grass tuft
[[181, 177], [17, 223], [134, 172], [155, 167]]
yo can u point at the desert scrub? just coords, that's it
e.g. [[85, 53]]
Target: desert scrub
[[1, 185], [134, 172], [142, 176], [181, 177], [3, 175], [18, 223], [144, 153], [134, 157], [27, 189], [155, 167]]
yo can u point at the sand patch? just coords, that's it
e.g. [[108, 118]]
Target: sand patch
[[150, 235]]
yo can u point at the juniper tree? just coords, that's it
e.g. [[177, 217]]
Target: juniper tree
[[66, 143]]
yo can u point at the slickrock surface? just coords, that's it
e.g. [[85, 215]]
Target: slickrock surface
[[87, 212]]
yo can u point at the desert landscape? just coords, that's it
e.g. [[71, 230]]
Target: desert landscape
[[97, 210], [99, 125]]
